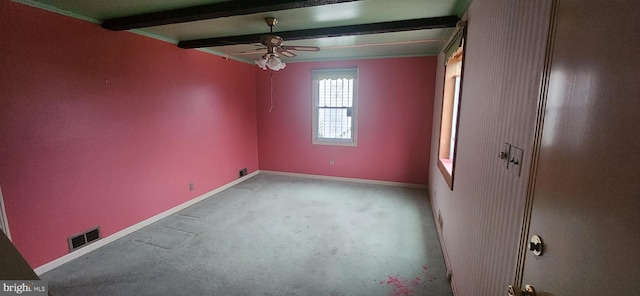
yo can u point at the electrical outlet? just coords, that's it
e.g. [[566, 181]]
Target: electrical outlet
[[515, 160], [191, 186]]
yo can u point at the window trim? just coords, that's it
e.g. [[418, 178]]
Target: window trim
[[4, 223], [353, 141], [447, 166]]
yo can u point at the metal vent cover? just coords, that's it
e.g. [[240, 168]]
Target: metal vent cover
[[83, 239]]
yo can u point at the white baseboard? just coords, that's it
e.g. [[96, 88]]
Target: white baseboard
[[120, 234], [355, 180], [454, 290]]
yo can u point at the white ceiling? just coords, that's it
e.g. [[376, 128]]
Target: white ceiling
[[394, 44]]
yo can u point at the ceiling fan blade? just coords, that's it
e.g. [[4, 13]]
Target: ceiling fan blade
[[301, 48], [285, 52], [249, 52]]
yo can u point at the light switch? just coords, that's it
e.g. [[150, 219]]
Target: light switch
[[515, 160]]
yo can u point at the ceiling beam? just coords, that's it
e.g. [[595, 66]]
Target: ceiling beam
[[363, 29], [209, 11]]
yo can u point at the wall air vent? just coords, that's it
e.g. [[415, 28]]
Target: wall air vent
[[83, 239]]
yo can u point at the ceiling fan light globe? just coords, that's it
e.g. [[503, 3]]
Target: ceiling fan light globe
[[274, 63], [262, 63], [279, 67]]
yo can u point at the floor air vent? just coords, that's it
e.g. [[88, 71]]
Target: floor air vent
[[83, 239]]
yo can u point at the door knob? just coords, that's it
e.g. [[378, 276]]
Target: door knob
[[516, 291], [535, 245]]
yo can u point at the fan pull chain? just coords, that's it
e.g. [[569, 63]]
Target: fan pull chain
[[271, 108]]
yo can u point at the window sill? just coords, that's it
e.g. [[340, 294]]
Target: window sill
[[335, 143], [445, 165]]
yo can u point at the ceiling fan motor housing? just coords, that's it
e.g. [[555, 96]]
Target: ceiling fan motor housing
[[271, 40], [273, 43]]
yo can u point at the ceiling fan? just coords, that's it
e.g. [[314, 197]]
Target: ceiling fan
[[273, 44]]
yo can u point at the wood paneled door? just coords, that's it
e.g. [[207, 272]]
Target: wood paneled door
[[586, 191]]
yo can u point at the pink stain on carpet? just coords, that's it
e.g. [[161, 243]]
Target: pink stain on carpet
[[402, 287]]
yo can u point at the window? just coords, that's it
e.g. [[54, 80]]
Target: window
[[454, 53], [335, 95]]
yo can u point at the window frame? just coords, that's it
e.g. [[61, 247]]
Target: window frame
[[4, 223], [447, 165], [315, 106]]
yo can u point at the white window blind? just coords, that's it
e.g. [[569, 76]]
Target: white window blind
[[334, 114]]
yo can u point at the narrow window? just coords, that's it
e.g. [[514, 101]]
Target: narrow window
[[335, 107], [454, 53]]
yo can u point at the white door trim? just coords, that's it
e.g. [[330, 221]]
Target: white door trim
[[537, 143], [4, 223]]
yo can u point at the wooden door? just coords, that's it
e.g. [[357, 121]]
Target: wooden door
[[586, 197]]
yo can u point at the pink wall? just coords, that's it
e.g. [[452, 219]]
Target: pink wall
[[394, 121], [108, 128]]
